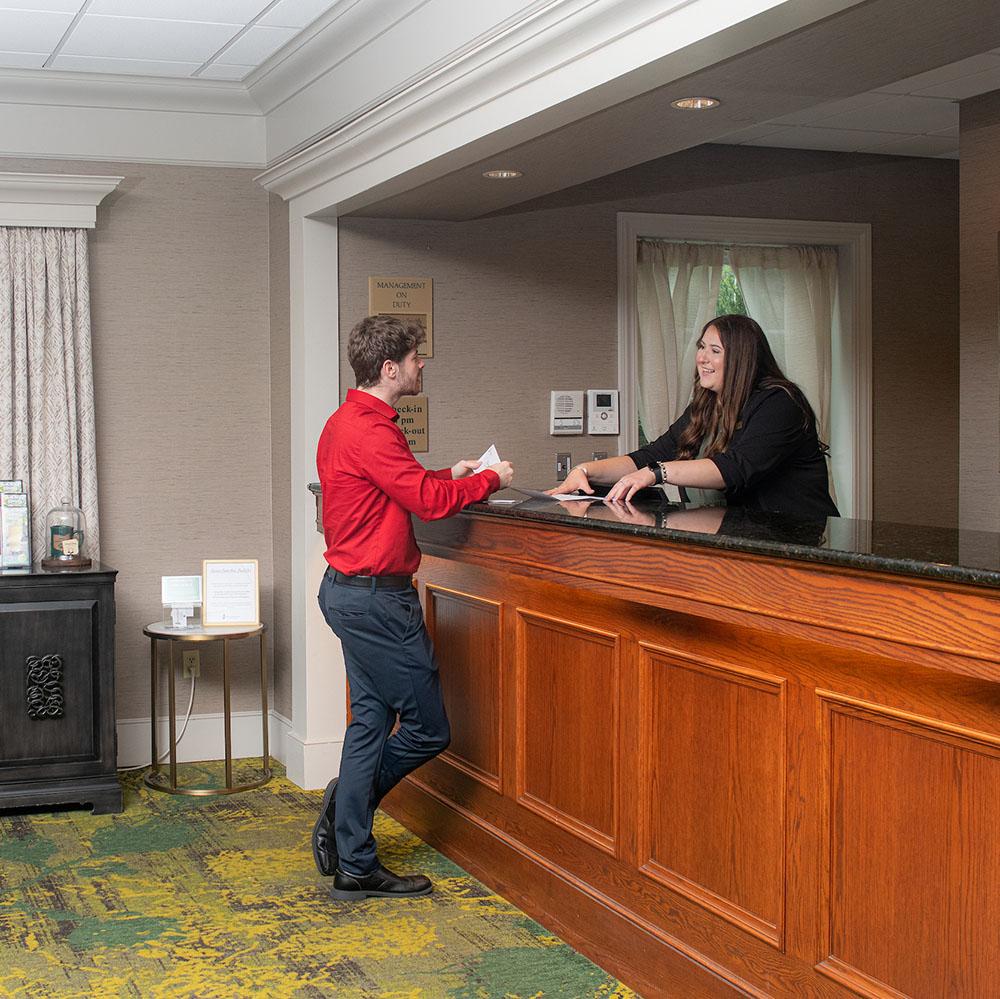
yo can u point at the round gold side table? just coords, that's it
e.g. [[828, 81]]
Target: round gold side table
[[162, 632]]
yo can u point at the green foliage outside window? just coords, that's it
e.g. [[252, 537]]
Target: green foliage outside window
[[731, 301]]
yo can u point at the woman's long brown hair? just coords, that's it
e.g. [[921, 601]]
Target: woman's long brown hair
[[749, 364]]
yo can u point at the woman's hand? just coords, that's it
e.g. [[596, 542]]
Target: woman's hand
[[628, 514], [575, 508], [463, 468], [576, 481], [628, 485]]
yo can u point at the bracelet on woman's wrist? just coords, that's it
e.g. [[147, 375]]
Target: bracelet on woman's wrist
[[659, 470]]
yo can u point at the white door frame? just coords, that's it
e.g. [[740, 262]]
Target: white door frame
[[851, 375]]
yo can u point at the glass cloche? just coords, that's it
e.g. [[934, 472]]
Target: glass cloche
[[66, 536]]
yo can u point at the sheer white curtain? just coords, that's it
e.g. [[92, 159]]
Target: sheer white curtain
[[677, 288], [792, 292], [46, 375]]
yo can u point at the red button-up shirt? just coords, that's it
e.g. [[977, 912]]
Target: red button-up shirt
[[372, 483]]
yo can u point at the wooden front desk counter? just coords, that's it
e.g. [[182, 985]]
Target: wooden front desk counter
[[730, 763]]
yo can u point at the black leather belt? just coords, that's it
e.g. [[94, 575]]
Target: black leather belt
[[373, 582]]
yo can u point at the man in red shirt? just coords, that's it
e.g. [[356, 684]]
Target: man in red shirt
[[371, 485]]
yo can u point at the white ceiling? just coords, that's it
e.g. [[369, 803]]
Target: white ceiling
[[201, 39], [914, 117]]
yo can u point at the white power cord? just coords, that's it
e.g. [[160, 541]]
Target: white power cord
[[187, 718]]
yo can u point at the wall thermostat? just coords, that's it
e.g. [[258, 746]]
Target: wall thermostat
[[602, 411], [566, 413]]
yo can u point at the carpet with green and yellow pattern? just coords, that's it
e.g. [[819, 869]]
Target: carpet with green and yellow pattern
[[218, 897]]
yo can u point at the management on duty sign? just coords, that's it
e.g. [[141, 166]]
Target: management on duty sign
[[405, 298]]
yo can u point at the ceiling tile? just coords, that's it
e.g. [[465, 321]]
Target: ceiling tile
[[295, 13], [943, 74], [818, 112], [968, 86], [132, 67], [897, 113], [140, 38], [835, 139], [23, 60], [918, 145], [746, 134], [61, 6], [220, 71], [253, 47], [219, 11], [32, 31]]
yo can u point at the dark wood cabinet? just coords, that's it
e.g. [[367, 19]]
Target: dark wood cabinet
[[57, 689]]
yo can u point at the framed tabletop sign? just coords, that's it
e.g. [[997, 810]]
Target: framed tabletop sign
[[230, 592]]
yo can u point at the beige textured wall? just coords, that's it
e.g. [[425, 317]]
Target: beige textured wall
[[179, 294], [281, 457], [517, 312], [980, 365], [526, 301]]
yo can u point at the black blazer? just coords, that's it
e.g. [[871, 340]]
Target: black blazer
[[772, 463]]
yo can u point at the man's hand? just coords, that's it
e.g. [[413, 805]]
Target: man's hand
[[505, 470], [628, 485], [576, 481], [463, 468]]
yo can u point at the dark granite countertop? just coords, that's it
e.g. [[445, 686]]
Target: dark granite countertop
[[957, 556]]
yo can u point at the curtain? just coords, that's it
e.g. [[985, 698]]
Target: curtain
[[791, 291], [677, 288], [46, 375]]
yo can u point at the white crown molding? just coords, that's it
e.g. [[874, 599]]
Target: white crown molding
[[117, 92], [308, 55], [127, 119], [581, 54], [50, 199]]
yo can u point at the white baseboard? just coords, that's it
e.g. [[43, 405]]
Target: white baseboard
[[204, 739], [310, 765]]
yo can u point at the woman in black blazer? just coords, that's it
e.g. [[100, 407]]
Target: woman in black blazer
[[748, 438]]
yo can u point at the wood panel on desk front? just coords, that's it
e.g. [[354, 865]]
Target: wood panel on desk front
[[711, 789], [468, 637], [713, 826]]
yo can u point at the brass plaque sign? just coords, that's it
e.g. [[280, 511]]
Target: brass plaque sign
[[405, 298], [412, 411]]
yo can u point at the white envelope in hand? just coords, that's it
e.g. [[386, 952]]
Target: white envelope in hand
[[490, 457]]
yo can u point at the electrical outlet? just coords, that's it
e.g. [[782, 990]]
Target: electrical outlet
[[564, 462], [191, 663], [599, 456]]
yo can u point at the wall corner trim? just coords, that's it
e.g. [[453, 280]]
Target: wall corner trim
[[67, 201]]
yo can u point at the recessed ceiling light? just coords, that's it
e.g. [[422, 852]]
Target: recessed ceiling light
[[502, 174], [695, 103]]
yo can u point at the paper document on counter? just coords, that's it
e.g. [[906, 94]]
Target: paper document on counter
[[538, 494], [491, 456]]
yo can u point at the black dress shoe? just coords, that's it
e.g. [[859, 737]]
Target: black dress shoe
[[381, 883], [324, 839]]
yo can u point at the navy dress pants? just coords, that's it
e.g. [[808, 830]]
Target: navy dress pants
[[393, 674]]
